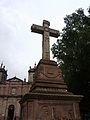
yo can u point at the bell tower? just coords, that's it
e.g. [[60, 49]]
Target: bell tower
[[3, 73]]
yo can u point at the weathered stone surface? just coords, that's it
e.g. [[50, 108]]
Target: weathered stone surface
[[9, 97], [46, 32], [48, 98], [50, 107]]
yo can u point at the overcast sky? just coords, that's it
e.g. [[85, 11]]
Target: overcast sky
[[19, 47]]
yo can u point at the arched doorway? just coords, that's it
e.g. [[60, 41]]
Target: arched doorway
[[11, 110]]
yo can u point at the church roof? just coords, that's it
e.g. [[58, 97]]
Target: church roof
[[14, 78]]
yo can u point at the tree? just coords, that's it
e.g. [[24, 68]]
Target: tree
[[72, 51]]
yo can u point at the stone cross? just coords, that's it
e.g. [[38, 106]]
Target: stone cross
[[46, 32]]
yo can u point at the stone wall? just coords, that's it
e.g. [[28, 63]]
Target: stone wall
[[10, 94]]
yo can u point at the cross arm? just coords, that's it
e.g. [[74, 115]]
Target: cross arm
[[37, 29], [54, 33]]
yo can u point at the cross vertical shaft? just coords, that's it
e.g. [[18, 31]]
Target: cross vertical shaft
[[45, 41], [46, 32]]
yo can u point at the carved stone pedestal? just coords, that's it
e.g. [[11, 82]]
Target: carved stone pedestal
[[48, 98]]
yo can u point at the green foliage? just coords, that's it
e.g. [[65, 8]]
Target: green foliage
[[72, 51]]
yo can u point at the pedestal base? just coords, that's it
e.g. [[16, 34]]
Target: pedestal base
[[48, 98]]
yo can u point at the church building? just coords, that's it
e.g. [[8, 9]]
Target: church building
[[11, 92]]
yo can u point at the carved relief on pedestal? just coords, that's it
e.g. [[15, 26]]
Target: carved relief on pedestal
[[54, 114], [58, 112], [44, 113], [48, 113], [48, 73]]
